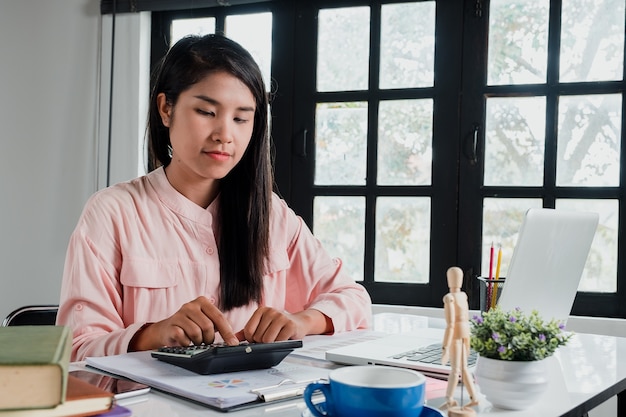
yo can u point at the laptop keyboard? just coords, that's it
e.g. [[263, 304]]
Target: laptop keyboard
[[431, 354]]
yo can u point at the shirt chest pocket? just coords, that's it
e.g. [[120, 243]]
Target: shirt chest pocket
[[278, 261], [188, 279], [150, 274]]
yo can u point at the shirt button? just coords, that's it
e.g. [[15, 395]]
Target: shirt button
[[79, 307], [212, 300], [209, 250]]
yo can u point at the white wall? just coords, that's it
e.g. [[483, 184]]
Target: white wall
[[54, 60]]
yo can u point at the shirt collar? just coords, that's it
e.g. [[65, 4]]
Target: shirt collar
[[177, 202]]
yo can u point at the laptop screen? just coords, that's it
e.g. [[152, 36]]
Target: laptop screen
[[548, 262]]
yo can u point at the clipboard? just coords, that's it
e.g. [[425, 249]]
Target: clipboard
[[223, 392]]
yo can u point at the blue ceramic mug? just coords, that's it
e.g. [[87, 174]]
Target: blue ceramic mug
[[368, 391]]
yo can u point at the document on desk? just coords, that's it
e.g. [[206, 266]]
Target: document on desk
[[224, 392], [315, 346]]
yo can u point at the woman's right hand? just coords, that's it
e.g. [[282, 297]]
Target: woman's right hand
[[196, 322]]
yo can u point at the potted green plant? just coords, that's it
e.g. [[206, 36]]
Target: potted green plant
[[512, 349]]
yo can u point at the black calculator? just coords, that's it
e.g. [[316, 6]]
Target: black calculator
[[220, 358]]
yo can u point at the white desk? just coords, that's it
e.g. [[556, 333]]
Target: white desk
[[585, 373]]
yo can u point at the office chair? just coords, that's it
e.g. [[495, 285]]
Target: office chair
[[32, 315]]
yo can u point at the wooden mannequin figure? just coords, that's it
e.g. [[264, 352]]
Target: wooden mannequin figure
[[456, 344]]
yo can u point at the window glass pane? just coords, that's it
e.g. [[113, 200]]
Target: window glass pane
[[589, 140], [514, 141], [343, 49], [402, 239], [407, 45], [196, 26], [518, 42], [340, 226], [405, 130], [600, 273], [502, 219], [340, 143], [254, 32], [592, 40]]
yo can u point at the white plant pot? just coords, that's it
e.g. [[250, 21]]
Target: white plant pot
[[512, 385]]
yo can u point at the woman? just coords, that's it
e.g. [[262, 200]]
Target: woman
[[200, 249]]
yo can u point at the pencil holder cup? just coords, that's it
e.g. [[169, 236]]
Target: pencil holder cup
[[489, 292]]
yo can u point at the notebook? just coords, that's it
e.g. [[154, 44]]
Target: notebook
[[544, 274]]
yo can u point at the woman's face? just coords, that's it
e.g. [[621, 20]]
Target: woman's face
[[210, 128]]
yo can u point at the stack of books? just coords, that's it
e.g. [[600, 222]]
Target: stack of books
[[35, 380]]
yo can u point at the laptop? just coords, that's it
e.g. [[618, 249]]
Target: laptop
[[543, 275]]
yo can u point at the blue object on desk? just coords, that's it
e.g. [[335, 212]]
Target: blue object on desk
[[116, 411], [426, 412]]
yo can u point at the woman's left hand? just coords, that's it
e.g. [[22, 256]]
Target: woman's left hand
[[269, 325]]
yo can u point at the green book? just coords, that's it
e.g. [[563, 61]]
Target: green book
[[34, 365]]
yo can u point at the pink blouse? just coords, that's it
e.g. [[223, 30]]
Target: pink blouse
[[141, 250]]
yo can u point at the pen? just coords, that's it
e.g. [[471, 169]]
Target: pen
[[285, 389], [499, 261], [489, 287], [491, 262], [494, 294]]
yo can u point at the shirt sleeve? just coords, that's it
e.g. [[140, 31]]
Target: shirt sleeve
[[317, 281], [91, 301]]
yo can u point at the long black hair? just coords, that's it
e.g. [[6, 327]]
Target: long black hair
[[246, 192]]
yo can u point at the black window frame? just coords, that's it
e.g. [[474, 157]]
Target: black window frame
[[460, 90]]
